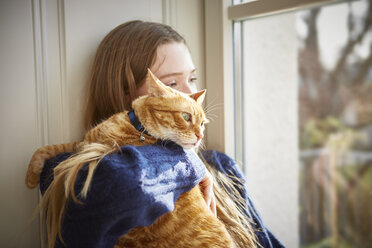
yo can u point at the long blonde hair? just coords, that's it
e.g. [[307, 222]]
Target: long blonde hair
[[119, 68]]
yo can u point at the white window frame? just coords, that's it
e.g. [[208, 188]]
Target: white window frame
[[261, 8]]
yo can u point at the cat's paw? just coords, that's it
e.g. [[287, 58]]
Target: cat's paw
[[35, 168]]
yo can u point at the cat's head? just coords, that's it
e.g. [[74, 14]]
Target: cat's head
[[168, 114]]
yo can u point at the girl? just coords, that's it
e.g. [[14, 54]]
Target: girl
[[117, 200]]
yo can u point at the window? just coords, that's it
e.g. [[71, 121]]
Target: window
[[303, 87]]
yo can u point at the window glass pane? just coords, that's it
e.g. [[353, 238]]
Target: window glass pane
[[306, 82], [270, 78], [335, 125]]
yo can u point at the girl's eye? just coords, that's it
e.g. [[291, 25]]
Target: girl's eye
[[193, 80], [186, 116], [172, 84]]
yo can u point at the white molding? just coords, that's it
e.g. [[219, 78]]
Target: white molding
[[50, 70], [38, 24], [219, 75], [261, 8], [228, 84], [170, 12], [55, 47], [238, 93], [65, 115]]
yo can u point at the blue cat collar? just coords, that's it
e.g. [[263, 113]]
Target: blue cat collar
[[136, 123]]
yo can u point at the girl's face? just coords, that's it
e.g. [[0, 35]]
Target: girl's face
[[174, 67]]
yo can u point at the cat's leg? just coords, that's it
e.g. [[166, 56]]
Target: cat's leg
[[37, 161]]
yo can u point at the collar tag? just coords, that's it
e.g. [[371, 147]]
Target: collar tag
[[137, 124]]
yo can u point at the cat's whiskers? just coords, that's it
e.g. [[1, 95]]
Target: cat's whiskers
[[164, 142], [210, 106], [202, 145], [212, 117], [210, 111], [212, 102]]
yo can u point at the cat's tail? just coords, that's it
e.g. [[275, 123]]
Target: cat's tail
[[42, 154], [54, 200]]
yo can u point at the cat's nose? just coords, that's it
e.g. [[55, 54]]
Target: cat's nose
[[199, 136]]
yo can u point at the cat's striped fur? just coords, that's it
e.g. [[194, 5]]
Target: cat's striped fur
[[191, 224]]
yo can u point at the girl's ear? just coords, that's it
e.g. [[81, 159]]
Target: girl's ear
[[155, 86], [199, 96]]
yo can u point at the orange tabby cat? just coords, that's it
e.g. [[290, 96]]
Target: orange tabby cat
[[165, 114]]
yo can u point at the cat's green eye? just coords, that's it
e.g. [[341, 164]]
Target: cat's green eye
[[186, 116]]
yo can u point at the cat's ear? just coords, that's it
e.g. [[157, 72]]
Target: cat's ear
[[155, 86], [199, 96]]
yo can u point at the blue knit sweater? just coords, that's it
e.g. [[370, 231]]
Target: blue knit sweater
[[133, 188]]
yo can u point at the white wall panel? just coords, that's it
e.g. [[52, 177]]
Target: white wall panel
[[19, 133]]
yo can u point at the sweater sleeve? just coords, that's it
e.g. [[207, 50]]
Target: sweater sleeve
[[130, 188], [226, 165]]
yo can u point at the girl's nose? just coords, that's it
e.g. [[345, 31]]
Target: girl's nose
[[186, 88]]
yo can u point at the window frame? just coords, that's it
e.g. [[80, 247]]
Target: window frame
[[223, 78]]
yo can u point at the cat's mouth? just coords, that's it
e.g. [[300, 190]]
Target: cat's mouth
[[189, 145]]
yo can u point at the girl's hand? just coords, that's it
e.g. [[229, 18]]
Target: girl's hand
[[207, 189]]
